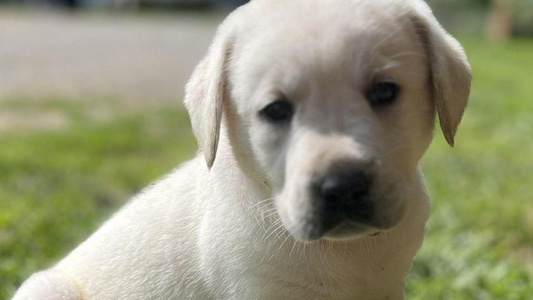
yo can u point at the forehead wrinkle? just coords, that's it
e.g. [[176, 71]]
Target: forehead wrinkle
[[388, 65]]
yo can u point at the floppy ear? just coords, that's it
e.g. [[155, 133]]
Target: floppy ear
[[205, 93], [449, 69]]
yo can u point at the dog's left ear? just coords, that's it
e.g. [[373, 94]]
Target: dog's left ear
[[450, 71], [205, 93]]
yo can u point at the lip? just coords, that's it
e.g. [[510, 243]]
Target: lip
[[349, 230], [342, 232]]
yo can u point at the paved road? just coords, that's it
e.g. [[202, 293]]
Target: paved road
[[134, 57]]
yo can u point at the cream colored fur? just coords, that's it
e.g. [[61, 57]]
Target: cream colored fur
[[225, 228]]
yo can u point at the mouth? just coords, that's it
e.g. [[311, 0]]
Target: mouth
[[308, 226], [340, 208], [349, 230], [344, 231]]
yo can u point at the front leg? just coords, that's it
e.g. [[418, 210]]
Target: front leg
[[48, 285]]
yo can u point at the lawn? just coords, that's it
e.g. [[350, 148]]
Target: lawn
[[57, 185]]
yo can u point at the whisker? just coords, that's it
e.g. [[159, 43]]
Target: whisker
[[261, 203], [275, 227]]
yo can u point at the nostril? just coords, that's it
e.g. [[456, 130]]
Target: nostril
[[343, 188], [360, 185], [333, 188]]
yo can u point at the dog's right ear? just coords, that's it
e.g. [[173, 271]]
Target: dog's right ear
[[205, 93]]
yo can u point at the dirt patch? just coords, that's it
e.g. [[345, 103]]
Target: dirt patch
[[11, 122], [525, 257]]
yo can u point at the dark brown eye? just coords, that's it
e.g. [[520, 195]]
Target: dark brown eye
[[279, 111], [383, 94]]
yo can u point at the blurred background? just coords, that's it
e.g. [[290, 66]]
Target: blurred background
[[90, 113]]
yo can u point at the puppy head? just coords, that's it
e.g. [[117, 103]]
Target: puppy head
[[334, 102]]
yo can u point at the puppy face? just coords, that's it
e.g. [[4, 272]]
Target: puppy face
[[338, 113], [333, 102]]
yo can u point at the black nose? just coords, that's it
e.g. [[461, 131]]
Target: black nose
[[343, 193]]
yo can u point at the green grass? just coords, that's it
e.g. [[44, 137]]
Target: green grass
[[57, 186]]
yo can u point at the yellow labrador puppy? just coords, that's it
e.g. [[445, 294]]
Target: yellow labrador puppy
[[318, 112]]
